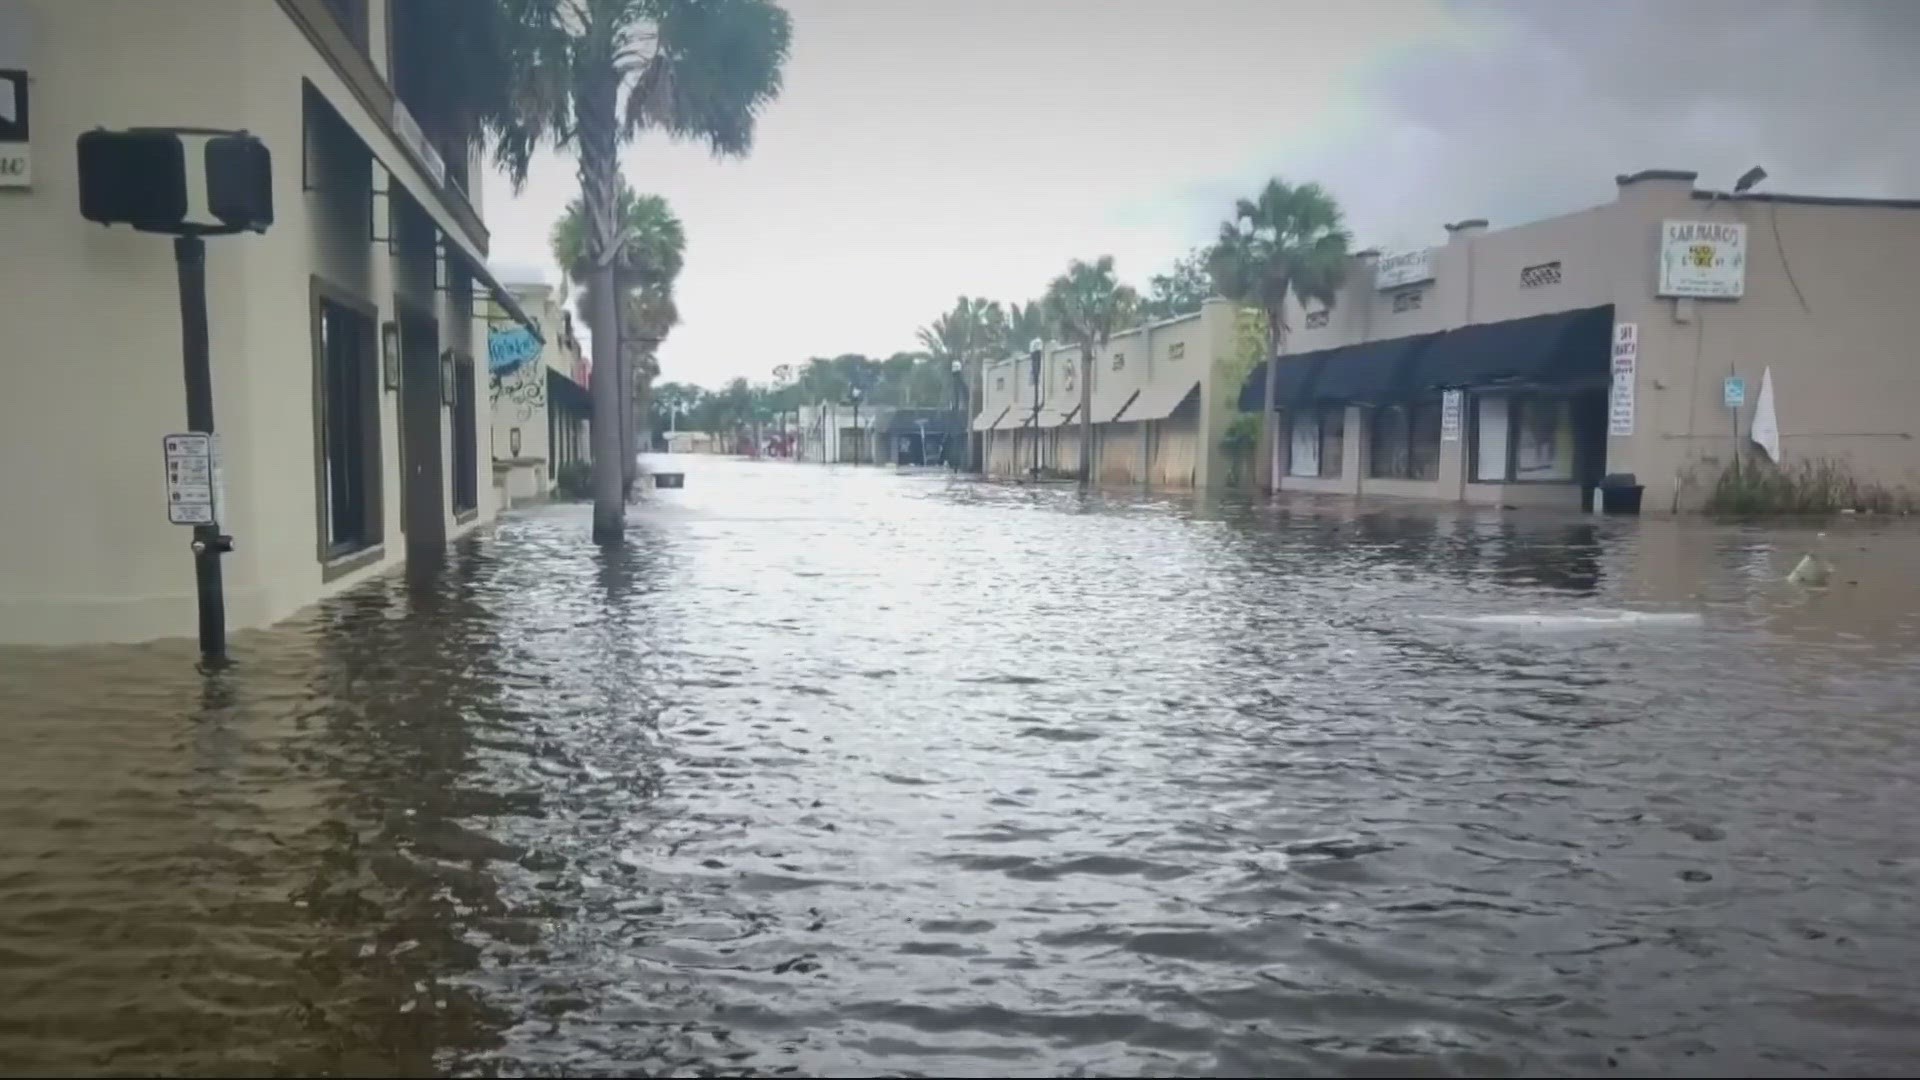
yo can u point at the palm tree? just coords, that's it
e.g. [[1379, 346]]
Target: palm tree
[[652, 251], [1088, 303], [973, 329], [588, 75], [1024, 324], [1289, 240]]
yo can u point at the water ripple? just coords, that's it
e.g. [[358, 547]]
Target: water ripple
[[841, 772]]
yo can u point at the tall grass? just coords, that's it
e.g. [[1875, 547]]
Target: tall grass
[[1816, 486]]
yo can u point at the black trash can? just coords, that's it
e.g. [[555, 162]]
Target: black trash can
[[1619, 494]]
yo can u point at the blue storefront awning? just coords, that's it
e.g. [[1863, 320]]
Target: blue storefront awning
[[1564, 348]]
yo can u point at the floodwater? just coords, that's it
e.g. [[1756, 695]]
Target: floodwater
[[848, 772]]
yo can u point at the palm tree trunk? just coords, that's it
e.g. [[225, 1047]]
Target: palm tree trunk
[[1269, 430], [595, 99], [1086, 416]]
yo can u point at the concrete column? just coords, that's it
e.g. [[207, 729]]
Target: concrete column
[[1353, 450]]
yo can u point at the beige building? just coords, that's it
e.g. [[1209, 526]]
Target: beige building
[[1162, 398], [1521, 366], [343, 340], [541, 409]]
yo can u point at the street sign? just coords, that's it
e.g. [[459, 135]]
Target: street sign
[[193, 479], [1733, 392]]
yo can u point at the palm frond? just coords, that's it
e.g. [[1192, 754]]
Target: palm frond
[[705, 70]]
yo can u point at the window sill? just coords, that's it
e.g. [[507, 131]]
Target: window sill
[[342, 565], [466, 517]]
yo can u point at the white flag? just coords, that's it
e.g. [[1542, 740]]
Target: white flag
[[1766, 426]]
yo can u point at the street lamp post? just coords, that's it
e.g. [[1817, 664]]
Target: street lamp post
[[855, 394], [959, 387], [1034, 349]]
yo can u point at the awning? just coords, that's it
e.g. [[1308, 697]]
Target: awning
[[1371, 371], [1159, 400], [567, 394], [912, 421], [1122, 410], [1297, 376], [1564, 348], [981, 423]]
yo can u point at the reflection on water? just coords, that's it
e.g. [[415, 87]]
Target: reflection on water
[[836, 771]]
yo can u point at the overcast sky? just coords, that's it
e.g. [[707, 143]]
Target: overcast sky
[[923, 149]]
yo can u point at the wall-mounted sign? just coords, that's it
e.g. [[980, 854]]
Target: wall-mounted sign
[[1733, 392], [1406, 268], [1450, 407], [1705, 259], [16, 153], [1626, 358], [508, 349]]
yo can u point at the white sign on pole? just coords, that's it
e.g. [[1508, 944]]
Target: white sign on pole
[[1406, 268], [1703, 258], [1626, 359], [193, 478], [1450, 405]]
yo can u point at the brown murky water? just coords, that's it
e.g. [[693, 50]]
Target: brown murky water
[[842, 772]]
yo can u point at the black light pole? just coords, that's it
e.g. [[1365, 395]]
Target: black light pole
[[856, 424], [209, 543], [966, 422], [138, 177], [1033, 357]]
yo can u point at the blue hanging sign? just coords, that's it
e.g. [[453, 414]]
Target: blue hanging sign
[[508, 349]]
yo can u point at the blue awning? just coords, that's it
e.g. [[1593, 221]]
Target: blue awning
[[1564, 348]]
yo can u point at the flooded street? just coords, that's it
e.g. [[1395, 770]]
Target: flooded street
[[848, 772]]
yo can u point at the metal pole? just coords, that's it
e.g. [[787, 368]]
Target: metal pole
[[1035, 474], [190, 256]]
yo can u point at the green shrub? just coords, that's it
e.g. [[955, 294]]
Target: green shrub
[[574, 481], [1816, 486]]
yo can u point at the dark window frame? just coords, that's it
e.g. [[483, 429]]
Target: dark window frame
[[363, 437], [464, 492], [1336, 439], [1412, 421]]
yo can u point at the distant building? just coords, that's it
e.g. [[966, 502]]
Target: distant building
[[347, 351], [1162, 399], [1524, 365], [540, 407]]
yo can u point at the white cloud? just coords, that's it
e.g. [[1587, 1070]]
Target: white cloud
[[923, 149]]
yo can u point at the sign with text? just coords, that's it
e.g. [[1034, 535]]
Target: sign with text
[[1706, 259], [16, 151], [193, 479], [1406, 268], [1733, 392], [508, 349], [1626, 359], [1450, 408]]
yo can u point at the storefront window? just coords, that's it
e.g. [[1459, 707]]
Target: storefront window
[[1543, 443], [1490, 437], [1316, 443], [1521, 437], [1404, 441], [1303, 458]]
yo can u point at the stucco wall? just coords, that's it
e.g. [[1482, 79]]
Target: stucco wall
[[92, 557], [1846, 364]]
